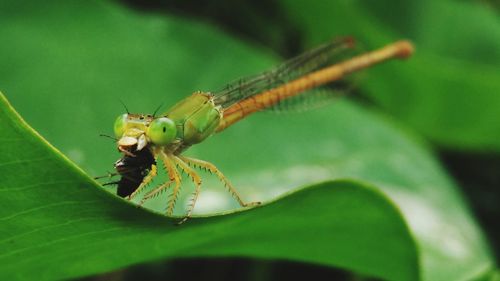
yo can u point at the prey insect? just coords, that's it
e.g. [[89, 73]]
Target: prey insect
[[133, 171], [145, 139]]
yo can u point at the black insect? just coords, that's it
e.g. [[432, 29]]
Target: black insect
[[133, 170]]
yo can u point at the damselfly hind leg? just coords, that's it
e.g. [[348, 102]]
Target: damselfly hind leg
[[211, 167], [156, 191]]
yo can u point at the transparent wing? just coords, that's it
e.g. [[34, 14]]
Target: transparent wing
[[314, 99], [290, 70]]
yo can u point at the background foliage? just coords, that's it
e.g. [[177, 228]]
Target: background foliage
[[64, 66]]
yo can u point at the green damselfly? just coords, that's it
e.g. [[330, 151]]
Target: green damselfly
[[143, 138]]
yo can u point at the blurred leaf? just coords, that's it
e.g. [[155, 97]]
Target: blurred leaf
[[65, 70], [448, 91]]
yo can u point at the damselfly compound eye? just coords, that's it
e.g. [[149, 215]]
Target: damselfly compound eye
[[119, 126], [162, 131]]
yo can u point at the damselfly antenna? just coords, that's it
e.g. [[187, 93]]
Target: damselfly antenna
[[108, 136], [158, 108], [126, 109]]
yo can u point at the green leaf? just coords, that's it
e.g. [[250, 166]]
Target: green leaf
[[65, 69], [448, 91], [67, 227]]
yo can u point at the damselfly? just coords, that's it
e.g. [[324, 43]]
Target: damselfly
[[145, 138]]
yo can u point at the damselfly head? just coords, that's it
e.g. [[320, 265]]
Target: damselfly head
[[130, 130], [137, 130]]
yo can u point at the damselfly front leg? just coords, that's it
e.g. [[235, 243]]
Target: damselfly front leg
[[145, 182], [174, 176]]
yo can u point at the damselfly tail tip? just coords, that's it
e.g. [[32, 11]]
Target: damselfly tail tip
[[404, 49]]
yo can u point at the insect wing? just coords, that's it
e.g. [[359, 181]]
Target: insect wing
[[292, 69]]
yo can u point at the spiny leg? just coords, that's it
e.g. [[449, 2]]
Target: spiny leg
[[175, 177], [155, 191], [163, 186], [211, 167], [152, 173], [197, 182]]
